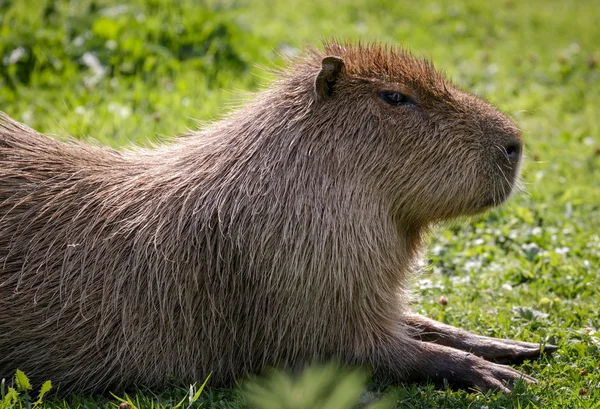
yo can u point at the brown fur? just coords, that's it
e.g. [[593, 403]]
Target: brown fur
[[284, 233]]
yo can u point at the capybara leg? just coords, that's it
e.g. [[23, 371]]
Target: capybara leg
[[425, 361], [492, 349]]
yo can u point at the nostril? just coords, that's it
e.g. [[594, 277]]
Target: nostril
[[513, 150]]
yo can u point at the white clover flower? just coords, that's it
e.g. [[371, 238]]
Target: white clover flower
[[531, 247]]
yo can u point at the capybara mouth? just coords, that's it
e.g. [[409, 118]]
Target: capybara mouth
[[498, 195]]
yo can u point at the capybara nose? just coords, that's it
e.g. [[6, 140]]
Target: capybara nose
[[513, 151]]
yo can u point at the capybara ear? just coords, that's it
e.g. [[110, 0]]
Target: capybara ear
[[331, 68]]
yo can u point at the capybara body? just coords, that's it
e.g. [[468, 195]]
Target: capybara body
[[282, 234]]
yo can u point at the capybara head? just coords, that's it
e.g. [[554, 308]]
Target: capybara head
[[435, 150]]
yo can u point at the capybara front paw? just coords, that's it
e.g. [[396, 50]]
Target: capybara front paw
[[482, 375]]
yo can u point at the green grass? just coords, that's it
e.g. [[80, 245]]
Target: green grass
[[530, 270]]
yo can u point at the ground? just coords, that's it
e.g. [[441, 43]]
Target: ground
[[126, 73]]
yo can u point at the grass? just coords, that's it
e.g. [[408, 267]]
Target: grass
[[133, 72]]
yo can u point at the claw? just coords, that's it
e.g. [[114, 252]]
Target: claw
[[548, 348]]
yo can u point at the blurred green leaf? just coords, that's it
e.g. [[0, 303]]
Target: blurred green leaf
[[22, 381], [46, 386]]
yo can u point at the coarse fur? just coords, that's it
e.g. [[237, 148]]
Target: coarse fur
[[284, 233]]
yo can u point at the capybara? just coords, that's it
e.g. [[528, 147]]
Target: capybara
[[285, 233]]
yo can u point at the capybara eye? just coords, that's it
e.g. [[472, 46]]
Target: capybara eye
[[396, 98]]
